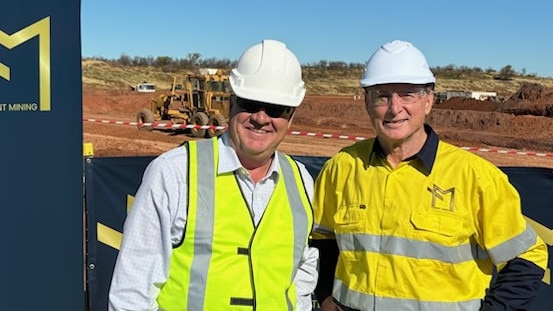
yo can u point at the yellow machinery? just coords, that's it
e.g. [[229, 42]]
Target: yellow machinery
[[199, 99]]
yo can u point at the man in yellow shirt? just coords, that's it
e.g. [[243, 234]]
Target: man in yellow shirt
[[405, 221]]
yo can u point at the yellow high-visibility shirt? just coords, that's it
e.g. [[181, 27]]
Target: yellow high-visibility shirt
[[424, 235]]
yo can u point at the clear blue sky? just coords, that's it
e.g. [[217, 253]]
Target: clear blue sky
[[472, 33]]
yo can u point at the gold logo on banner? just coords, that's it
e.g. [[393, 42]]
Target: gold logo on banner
[[110, 236], [42, 30]]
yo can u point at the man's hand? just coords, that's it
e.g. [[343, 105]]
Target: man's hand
[[329, 305]]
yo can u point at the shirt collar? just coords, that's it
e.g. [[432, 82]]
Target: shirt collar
[[426, 155], [229, 162], [428, 152]]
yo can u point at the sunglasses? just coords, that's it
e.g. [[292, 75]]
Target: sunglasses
[[273, 111]]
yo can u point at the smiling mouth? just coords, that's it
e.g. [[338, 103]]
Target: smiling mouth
[[395, 122], [257, 131]]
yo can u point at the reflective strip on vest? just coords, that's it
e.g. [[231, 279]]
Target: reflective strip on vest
[[294, 200], [205, 212]]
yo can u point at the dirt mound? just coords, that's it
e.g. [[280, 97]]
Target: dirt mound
[[523, 121], [469, 119], [334, 112], [530, 99], [461, 103], [530, 92]]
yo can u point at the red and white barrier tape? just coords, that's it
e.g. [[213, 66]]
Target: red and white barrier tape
[[528, 153], [158, 125], [301, 133]]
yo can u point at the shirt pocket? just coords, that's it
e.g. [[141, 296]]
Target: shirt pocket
[[439, 226], [350, 217]]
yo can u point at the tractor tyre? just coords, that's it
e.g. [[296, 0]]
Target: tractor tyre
[[145, 116], [198, 119], [216, 120]]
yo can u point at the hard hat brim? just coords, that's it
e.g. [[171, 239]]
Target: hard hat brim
[[397, 79], [270, 97]]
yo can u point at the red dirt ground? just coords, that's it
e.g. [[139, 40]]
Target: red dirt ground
[[522, 123]]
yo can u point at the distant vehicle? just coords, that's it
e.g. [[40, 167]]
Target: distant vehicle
[[440, 97], [196, 99], [144, 87]]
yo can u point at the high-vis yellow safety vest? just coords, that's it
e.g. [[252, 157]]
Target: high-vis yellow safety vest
[[411, 239], [224, 261]]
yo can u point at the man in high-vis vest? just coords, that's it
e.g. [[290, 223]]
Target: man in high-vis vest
[[224, 223], [405, 221]]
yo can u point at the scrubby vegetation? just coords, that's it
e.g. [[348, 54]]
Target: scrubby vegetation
[[322, 78]]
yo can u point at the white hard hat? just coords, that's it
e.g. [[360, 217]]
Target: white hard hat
[[270, 73], [397, 62]]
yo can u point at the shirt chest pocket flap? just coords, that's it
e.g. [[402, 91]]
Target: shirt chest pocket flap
[[443, 223], [350, 215]]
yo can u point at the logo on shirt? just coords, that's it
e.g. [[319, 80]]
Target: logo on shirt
[[442, 199]]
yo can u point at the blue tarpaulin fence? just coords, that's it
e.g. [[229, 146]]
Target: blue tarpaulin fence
[[111, 181]]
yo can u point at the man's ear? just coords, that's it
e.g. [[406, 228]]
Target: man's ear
[[429, 103]]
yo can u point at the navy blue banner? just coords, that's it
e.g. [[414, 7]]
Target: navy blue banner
[[536, 192], [41, 187], [112, 182]]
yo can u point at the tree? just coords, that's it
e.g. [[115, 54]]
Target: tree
[[163, 61], [125, 60], [506, 73], [193, 59]]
